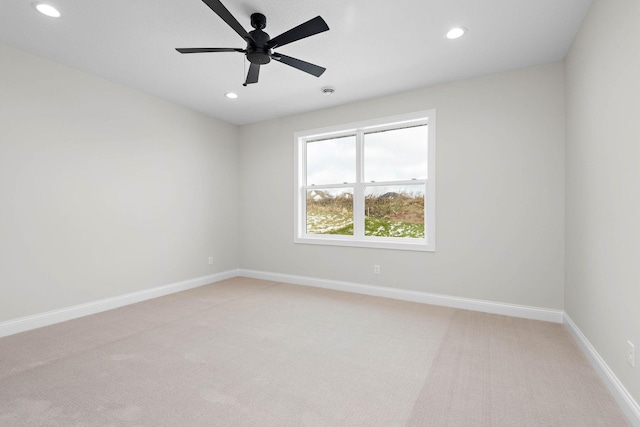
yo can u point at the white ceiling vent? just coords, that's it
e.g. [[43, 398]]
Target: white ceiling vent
[[328, 90]]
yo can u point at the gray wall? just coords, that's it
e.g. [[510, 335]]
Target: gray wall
[[602, 294], [105, 191], [500, 193]]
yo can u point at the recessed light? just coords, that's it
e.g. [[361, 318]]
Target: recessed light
[[456, 33], [231, 95], [47, 9]]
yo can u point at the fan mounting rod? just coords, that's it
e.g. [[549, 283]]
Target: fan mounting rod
[[258, 21]]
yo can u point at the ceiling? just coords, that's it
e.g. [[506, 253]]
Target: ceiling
[[373, 48]]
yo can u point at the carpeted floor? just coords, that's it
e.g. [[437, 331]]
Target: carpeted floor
[[246, 352]]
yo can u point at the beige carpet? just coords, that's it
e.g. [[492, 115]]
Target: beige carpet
[[246, 352]]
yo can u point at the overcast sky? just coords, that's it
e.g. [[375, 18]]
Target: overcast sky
[[399, 154]]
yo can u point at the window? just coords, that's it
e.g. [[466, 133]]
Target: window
[[369, 184]]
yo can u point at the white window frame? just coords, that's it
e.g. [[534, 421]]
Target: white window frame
[[301, 236]]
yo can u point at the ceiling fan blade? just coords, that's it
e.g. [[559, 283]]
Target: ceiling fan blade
[[208, 49], [309, 28], [252, 75], [300, 65], [227, 17]]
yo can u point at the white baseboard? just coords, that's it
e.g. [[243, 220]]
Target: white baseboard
[[27, 323], [535, 313], [619, 392]]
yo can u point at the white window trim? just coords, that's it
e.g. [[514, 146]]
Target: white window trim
[[300, 226]]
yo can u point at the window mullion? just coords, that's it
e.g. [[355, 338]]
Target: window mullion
[[300, 185], [358, 196]]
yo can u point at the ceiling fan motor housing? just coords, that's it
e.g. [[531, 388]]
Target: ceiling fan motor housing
[[257, 53]]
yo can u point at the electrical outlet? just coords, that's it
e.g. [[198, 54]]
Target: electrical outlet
[[631, 354], [210, 260], [376, 269]]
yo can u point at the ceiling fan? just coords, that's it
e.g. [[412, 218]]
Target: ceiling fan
[[259, 44]]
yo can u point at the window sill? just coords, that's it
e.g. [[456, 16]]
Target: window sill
[[375, 243]]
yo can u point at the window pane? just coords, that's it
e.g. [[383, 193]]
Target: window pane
[[398, 154], [394, 211], [331, 161], [330, 211]]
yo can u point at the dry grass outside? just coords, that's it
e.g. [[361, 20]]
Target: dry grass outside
[[389, 215]]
